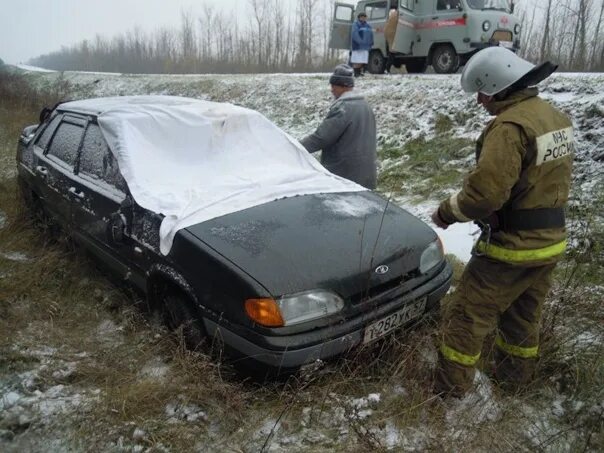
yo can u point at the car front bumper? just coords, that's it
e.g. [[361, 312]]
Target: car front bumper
[[349, 333]]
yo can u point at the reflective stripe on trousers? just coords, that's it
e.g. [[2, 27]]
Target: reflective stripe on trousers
[[458, 357], [517, 351], [519, 256]]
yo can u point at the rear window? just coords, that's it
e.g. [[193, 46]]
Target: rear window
[[97, 160], [45, 137], [65, 143]]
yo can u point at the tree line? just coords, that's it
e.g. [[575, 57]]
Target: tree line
[[282, 36], [277, 36], [568, 32]]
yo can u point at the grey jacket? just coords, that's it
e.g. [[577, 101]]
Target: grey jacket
[[347, 137]]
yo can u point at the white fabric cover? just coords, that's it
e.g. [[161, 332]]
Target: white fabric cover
[[195, 160]]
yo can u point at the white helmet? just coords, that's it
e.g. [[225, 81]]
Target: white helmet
[[494, 69]]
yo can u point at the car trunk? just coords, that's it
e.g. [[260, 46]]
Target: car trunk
[[329, 241]]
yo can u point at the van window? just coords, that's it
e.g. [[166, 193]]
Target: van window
[[501, 5], [376, 10], [65, 143], [447, 4], [407, 4], [97, 160], [344, 13]]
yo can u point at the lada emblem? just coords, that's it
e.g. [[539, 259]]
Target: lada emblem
[[381, 270]]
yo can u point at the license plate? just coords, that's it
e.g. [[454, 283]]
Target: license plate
[[506, 44], [389, 323]]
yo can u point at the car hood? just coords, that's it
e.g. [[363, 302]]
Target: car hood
[[328, 241]]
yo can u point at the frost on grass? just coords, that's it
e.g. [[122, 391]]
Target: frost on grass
[[476, 407], [183, 411], [405, 109], [35, 397], [15, 256]]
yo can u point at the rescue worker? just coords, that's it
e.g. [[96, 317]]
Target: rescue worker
[[347, 135], [517, 193]]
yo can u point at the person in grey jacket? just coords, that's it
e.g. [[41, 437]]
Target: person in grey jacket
[[347, 136]]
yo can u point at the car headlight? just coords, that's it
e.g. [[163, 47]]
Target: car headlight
[[517, 28], [486, 25], [294, 308], [431, 257]]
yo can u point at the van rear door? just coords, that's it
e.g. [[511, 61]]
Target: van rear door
[[342, 23]]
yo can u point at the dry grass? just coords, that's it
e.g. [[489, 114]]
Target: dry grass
[[134, 374]]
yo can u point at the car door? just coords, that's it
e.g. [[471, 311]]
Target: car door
[[55, 165], [99, 198], [341, 26], [405, 31]]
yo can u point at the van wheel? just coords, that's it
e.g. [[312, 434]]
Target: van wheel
[[417, 66], [178, 314], [445, 60], [377, 62]]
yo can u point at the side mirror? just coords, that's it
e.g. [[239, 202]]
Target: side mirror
[[28, 133]]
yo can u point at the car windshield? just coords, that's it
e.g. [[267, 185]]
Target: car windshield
[[501, 5]]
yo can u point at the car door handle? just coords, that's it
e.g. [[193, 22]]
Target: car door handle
[[76, 193], [42, 170], [435, 17]]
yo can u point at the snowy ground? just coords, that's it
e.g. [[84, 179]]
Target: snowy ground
[[405, 107]]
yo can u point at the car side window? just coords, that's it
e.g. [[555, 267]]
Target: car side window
[[65, 143], [98, 161], [44, 138]]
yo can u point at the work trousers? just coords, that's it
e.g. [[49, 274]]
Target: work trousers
[[492, 294]]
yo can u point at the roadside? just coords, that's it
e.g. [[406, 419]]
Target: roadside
[[81, 368]]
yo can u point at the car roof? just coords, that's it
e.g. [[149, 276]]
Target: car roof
[[97, 106]]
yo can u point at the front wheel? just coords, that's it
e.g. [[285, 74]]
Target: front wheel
[[377, 62], [445, 60], [179, 316]]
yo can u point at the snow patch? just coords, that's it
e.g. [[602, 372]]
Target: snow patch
[[458, 239], [350, 205], [181, 411], [15, 256], [476, 407], [110, 332], [155, 369], [29, 68]]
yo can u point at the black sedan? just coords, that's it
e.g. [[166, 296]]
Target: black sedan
[[282, 284]]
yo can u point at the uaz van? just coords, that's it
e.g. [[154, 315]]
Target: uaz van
[[418, 33]]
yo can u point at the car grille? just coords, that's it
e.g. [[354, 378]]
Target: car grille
[[373, 292]]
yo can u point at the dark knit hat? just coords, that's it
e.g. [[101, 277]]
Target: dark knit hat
[[343, 76]]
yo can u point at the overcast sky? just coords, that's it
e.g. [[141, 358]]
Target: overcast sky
[[29, 28]]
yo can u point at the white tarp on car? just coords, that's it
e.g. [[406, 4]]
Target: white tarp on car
[[195, 160]]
